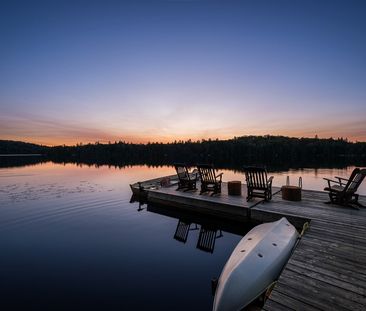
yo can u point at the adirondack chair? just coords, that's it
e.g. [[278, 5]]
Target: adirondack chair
[[257, 183], [207, 238], [187, 180], [343, 191], [209, 180]]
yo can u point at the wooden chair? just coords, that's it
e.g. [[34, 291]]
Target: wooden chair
[[343, 191], [187, 180], [209, 180], [207, 238], [257, 183]]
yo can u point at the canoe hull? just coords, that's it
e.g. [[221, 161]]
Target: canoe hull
[[255, 263]]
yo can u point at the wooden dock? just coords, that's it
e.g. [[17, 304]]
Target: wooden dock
[[327, 270]]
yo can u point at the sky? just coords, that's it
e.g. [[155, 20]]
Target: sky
[[86, 71]]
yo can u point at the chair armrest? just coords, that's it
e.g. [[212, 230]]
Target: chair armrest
[[333, 181], [340, 180], [327, 179], [195, 171], [269, 181], [219, 175]]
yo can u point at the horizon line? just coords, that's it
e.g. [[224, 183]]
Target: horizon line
[[105, 142]]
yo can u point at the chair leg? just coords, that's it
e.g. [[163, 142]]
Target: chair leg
[[267, 195], [346, 201], [191, 186], [249, 195], [359, 204], [203, 188], [331, 201], [215, 191], [333, 198], [355, 207]]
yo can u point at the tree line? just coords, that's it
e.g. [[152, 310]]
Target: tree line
[[272, 151]]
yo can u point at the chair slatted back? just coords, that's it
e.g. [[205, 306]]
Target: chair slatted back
[[207, 173], [256, 177], [182, 171], [355, 180]]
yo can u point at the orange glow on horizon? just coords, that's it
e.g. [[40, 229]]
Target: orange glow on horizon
[[51, 142]]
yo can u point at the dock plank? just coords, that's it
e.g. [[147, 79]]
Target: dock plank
[[348, 284], [279, 301], [343, 275], [331, 296]]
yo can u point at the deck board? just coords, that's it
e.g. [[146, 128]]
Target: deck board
[[327, 270], [280, 301]]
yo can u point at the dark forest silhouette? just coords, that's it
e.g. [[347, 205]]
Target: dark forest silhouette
[[273, 151]]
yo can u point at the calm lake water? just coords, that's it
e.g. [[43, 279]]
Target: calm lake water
[[71, 239]]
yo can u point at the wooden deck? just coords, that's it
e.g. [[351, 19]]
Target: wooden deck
[[327, 270]]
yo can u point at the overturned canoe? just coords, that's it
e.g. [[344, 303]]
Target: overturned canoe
[[254, 264]]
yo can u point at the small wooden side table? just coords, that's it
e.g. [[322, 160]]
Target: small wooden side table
[[234, 187], [291, 193]]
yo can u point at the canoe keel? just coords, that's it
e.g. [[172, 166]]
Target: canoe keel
[[254, 264]]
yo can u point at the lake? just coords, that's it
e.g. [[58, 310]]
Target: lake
[[71, 239]]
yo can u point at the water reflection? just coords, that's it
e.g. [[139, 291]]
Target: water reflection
[[312, 178], [183, 228], [209, 228], [208, 231], [19, 161], [139, 200], [207, 238], [69, 231]]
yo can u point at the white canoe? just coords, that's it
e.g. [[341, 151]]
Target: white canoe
[[255, 263]]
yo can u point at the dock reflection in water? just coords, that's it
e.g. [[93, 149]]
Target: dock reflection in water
[[205, 230]]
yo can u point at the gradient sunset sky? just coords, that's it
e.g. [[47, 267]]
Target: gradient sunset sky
[[86, 71]]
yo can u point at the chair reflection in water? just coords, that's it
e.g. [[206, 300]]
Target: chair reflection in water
[[207, 238], [183, 228]]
